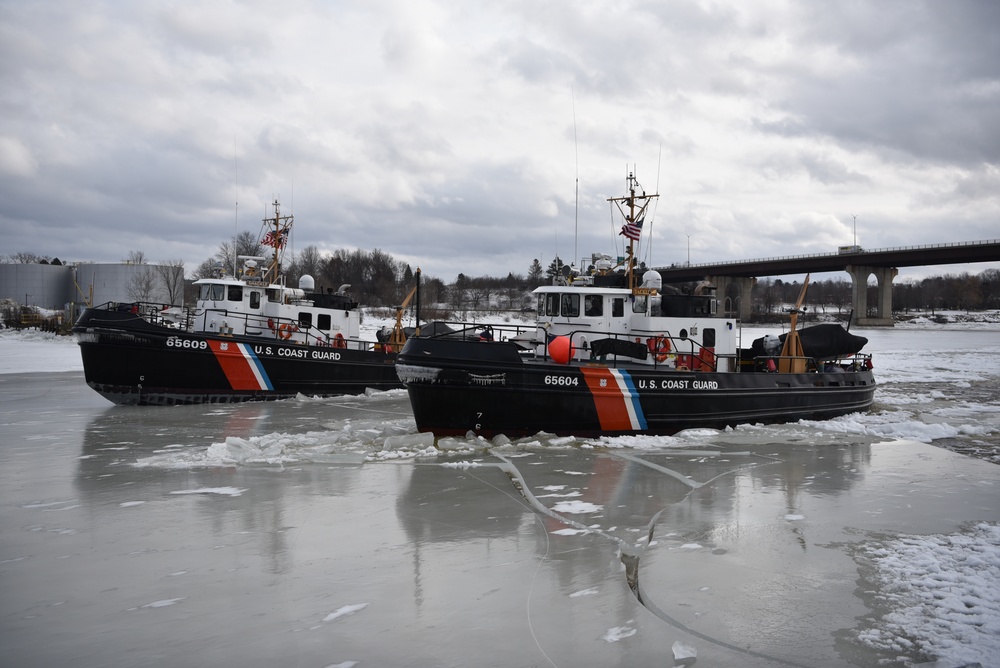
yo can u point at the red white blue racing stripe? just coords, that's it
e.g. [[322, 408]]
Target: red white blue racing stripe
[[615, 398], [240, 364]]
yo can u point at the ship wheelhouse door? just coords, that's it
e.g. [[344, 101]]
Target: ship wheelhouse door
[[255, 300]]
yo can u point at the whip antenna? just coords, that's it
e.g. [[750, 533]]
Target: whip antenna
[[576, 203]]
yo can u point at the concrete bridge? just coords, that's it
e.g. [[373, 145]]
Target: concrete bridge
[[860, 264]]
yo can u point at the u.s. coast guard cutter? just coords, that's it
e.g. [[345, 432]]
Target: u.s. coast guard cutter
[[613, 354]]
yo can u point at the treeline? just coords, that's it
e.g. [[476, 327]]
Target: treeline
[[950, 292], [378, 279], [375, 277]]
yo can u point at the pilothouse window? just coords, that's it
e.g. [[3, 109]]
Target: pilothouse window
[[593, 305], [551, 304], [235, 293], [212, 292], [571, 306]]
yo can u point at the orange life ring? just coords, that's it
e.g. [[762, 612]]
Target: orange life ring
[[338, 341], [659, 346], [285, 331]]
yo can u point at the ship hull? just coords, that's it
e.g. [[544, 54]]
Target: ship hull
[[457, 387], [133, 362]]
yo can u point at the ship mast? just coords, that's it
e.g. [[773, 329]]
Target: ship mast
[[278, 229], [634, 217]]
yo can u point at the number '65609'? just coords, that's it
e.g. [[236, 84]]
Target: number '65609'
[[174, 342]]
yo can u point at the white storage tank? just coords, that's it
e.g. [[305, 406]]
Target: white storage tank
[[119, 282], [48, 286]]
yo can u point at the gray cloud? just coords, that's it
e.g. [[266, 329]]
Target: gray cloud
[[454, 136]]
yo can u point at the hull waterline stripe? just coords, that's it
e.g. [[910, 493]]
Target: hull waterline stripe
[[615, 398], [242, 367]]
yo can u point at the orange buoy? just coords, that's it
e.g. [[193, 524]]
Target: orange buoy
[[561, 349]]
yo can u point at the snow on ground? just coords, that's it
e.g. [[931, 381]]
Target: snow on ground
[[28, 350]]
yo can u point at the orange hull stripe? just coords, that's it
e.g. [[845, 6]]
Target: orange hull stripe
[[608, 399], [235, 365]]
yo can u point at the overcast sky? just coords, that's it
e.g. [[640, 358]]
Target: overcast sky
[[455, 135]]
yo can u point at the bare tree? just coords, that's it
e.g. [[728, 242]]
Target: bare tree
[[206, 269], [140, 286], [434, 290], [244, 243], [171, 275], [135, 257], [308, 261], [23, 257]]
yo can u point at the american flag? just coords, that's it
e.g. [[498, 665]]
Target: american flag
[[633, 230], [275, 240]]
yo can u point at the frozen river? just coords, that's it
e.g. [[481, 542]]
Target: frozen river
[[325, 533]]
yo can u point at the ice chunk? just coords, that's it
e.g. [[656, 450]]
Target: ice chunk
[[683, 651], [409, 442], [345, 611]]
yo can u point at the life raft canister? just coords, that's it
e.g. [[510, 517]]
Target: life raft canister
[[659, 347]]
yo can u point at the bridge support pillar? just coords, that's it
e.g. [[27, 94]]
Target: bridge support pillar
[[883, 311], [740, 306]]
